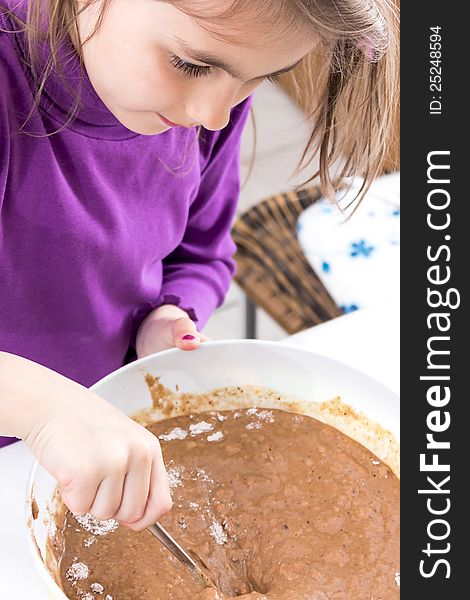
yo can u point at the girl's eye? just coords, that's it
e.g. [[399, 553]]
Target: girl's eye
[[188, 68], [192, 70]]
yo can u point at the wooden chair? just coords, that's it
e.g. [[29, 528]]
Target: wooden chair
[[272, 268]]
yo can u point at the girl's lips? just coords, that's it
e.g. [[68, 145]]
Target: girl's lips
[[167, 122]]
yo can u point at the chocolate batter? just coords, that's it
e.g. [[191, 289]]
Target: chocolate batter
[[278, 507]]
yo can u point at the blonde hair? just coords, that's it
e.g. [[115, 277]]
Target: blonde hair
[[349, 85]]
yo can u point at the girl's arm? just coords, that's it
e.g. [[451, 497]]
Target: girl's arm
[[105, 463], [197, 274]]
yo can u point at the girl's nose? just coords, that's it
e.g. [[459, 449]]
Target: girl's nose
[[210, 113], [210, 106]]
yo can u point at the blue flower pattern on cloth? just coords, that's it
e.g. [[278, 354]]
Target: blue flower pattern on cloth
[[358, 258], [350, 308], [361, 249]]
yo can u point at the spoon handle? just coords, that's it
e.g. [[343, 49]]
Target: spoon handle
[[172, 545]]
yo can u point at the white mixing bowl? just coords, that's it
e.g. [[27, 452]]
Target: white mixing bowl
[[288, 370]]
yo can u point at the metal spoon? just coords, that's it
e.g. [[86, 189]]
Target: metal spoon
[[196, 571]]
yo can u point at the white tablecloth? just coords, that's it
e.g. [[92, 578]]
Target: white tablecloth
[[367, 340]]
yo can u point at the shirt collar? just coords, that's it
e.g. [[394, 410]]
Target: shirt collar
[[62, 89]]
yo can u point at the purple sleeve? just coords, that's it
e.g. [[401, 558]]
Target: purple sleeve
[[196, 276], [5, 91]]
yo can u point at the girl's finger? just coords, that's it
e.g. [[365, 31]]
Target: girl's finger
[[108, 498], [79, 494], [159, 500], [185, 334], [135, 493]]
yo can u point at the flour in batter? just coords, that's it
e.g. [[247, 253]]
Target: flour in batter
[[277, 506]]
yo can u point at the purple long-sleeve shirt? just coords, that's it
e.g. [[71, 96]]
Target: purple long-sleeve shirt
[[99, 225]]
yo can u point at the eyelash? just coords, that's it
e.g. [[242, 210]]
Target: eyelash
[[188, 68], [191, 70]]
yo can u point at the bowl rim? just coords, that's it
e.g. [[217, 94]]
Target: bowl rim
[[35, 553], [240, 342]]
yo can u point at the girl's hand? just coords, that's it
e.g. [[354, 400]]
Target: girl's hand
[[167, 327], [105, 463]]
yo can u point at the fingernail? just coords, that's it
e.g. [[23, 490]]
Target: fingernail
[[188, 337]]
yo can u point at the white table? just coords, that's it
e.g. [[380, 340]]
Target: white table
[[367, 340]]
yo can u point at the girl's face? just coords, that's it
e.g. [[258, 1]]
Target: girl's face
[[150, 63]]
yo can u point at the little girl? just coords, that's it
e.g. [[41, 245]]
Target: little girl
[[120, 125]]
